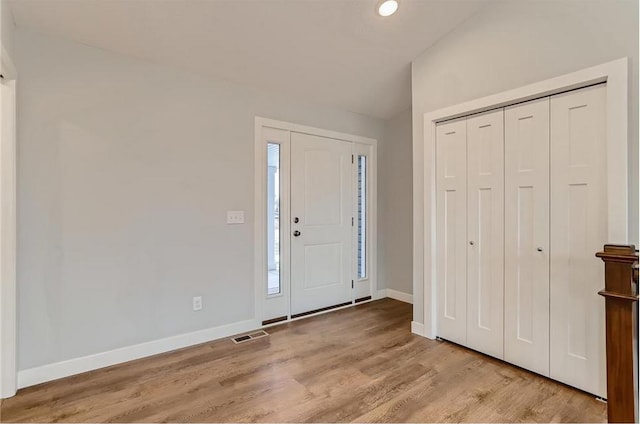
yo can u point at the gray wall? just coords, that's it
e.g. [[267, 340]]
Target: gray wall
[[514, 43], [394, 212], [125, 172], [7, 27]]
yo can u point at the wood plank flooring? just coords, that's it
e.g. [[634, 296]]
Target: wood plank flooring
[[359, 364]]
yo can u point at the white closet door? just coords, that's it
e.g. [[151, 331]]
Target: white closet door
[[485, 227], [526, 286], [578, 230], [451, 233]]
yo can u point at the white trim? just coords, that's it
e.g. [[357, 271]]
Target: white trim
[[394, 294], [49, 372], [262, 124], [7, 68], [37, 375], [372, 245], [379, 294], [8, 301], [401, 296], [370, 152], [264, 301], [417, 328], [303, 129], [614, 73]]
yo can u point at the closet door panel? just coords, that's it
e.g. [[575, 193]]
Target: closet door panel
[[485, 226], [526, 285], [578, 230], [451, 216]]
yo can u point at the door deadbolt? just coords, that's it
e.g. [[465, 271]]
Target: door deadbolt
[[296, 220]]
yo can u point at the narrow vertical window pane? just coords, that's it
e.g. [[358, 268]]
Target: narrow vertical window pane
[[362, 216], [273, 219]]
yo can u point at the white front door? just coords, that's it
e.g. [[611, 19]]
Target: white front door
[[321, 223]]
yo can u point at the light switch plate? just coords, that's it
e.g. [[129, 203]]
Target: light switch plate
[[235, 217], [197, 303]]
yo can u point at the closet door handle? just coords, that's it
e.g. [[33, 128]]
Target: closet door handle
[[539, 249], [471, 243]]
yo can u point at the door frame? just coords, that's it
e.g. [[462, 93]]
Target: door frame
[[614, 73], [8, 300], [282, 131]]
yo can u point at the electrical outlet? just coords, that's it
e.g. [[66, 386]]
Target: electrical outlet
[[197, 303], [235, 217]]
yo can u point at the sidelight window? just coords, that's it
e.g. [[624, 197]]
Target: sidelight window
[[274, 283], [362, 216]]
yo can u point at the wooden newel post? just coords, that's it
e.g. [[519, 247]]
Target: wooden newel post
[[620, 292]]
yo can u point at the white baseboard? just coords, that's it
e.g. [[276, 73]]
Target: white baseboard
[[394, 294], [398, 295], [49, 372], [417, 328], [37, 375]]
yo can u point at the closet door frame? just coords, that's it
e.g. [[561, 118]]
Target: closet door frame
[[614, 73]]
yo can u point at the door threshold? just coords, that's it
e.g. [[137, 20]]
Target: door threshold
[[362, 299], [274, 320], [315, 311], [280, 321]]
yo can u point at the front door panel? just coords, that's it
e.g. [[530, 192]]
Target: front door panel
[[321, 239]]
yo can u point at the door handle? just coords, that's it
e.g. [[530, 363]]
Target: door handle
[[539, 249], [296, 220], [296, 233]]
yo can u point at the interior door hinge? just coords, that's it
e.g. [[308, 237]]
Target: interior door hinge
[[352, 221], [351, 283], [352, 159]]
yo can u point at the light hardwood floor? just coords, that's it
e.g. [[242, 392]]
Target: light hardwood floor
[[358, 364]]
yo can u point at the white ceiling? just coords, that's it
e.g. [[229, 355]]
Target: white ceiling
[[335, 52]]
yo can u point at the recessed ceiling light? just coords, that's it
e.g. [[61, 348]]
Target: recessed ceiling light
[[387, 7]]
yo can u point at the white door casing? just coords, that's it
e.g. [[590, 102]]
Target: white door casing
[[8, 299], [485, 232], [321, 200], [275, 305], [278, 306], [363, 285], [612, 153], [526, 305], [451, 201], [615, 73], [578, 230]]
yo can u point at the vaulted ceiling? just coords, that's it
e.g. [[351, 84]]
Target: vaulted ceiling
[[334, 52]]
